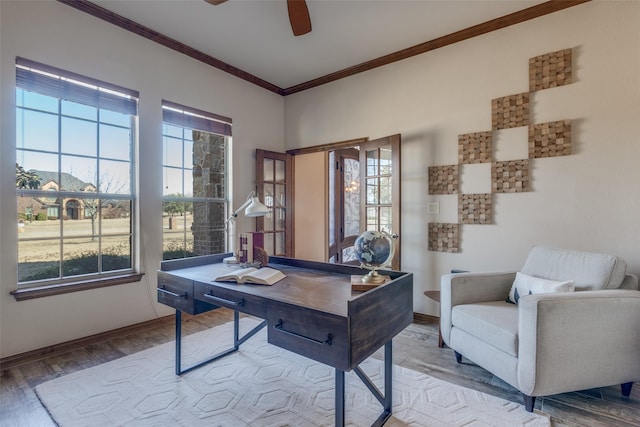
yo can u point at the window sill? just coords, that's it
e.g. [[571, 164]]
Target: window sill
[[58, 289]]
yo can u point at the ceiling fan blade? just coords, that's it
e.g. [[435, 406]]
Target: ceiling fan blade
[[299, 17], [215, 2]]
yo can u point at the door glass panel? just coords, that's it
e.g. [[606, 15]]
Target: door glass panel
[[279, 218], [280, 170], [385, 160], [372, 190], [351, 197], [269, 244], [280, 196], [268, 170], [348, 254], [332, 199], [386, 219], [385, 190], [280, 243], [372, 163], [372, 218]]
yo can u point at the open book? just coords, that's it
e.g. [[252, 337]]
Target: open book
[[262, 276]]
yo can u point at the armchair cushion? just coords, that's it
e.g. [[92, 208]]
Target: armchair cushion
[[589, 271], [530, 285], [495, 323]]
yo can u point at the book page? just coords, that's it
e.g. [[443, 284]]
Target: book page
[[264, 276], [235, 275]]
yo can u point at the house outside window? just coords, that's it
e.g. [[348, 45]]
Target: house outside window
[[75, 138], [195, 181]]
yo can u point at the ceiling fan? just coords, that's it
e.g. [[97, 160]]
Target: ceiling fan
[[298, 15]]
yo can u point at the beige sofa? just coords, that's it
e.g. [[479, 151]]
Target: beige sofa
[[548, 343]]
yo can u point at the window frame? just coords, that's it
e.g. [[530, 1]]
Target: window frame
[[65, 86], [192, 119]]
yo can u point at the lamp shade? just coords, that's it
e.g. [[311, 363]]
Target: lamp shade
[[256, 208]]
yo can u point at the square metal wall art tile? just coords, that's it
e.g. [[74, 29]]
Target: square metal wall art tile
[[510, 177], [475, 147], [444, 237], [475, 208]]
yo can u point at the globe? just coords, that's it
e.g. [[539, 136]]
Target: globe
[[373, 249]]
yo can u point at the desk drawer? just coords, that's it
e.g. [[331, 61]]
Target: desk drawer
[[319, 336], [230, 298], [177, 292]]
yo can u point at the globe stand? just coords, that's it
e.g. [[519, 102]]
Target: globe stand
[[373, 277]]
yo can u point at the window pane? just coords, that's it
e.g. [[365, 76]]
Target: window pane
[[372, 219], [386, 220], [79, 137], [188, 183], [116, 252], [79, 173], [39, 162], [172, 179], [37, 131], [36, 101], [115, 177], [119, 119], [80, 256], [79, 110], [172, 152], [171, 130], [115, 142]]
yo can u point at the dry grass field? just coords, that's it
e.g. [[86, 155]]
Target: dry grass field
[[39, 242]]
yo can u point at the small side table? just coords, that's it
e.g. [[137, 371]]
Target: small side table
[[435, 295]]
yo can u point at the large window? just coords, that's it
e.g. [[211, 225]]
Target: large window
[[75, 139], [195, 180]]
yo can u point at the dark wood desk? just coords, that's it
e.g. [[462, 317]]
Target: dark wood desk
[[312, 312]]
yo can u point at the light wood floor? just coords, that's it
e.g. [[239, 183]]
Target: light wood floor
[[415, 348]]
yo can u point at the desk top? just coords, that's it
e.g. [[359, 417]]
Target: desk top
[[314, 302]]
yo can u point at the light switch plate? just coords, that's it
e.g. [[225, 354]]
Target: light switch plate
[[433, 208]]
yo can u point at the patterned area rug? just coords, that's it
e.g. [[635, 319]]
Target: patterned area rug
[[260, 385]]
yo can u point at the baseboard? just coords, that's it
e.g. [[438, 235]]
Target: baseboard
[[425, 318], [9, 362]]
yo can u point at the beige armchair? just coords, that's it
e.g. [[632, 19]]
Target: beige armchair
[[553, 340]]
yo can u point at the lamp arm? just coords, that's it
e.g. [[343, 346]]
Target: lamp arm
[[237, 211]]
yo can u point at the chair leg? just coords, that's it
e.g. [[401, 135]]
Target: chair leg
[[458, 357], [626, 389], [529, 402]]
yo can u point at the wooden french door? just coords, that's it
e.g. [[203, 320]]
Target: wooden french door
[[344, 204], [380, 194], [274, 177]]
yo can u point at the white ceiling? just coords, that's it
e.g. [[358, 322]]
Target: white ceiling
[[255, 35]]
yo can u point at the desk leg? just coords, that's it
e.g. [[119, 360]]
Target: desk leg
[[237, 341], [178, 342], [339, 398]]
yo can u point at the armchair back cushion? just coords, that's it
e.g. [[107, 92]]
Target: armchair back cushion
[[589, 271]]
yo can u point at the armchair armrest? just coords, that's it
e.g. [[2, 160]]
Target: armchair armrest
[[578, 340], [467, 288]]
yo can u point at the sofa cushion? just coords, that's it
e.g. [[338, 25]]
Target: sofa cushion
[[588, 270], [528, 285], [495, 323]]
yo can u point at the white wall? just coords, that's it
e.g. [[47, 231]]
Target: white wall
[[311, 206], [60, 36], [589, 200]]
